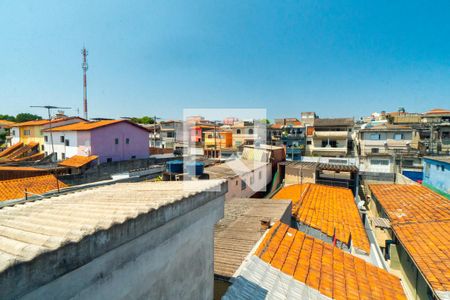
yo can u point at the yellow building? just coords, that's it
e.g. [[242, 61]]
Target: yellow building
[[223, 139]]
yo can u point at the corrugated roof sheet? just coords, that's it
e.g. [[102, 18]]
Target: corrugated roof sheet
[[320, 266], [428, 244], [83, 126], [240, 229], [410, 203], [328, 209], [27, 231], [77, 161], [15, 188]]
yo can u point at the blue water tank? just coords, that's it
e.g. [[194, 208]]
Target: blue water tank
[[195, 168], [174, 166]]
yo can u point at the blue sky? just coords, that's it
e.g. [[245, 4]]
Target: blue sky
[[338, 58]]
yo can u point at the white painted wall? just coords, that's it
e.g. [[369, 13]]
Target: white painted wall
[[15, 135], [60, 147]]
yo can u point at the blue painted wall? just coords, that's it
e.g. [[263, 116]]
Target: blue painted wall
[[436, 175]]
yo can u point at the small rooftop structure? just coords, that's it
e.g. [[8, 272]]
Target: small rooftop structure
[[77, 161], [330, 210], [18, 188], [240, 229], [441, 158], [410, 203], [233, 168], [346, 122], [289, 264]]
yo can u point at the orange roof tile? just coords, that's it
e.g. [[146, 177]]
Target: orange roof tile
[[410, 203], [15, 188], [328, 209], [85, 126], [6, 122], [438, 111], [331, 271], [428, 244], [77, 161]]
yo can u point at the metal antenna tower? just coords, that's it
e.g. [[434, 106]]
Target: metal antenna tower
[[84, 66]]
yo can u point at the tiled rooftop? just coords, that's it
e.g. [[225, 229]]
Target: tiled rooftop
[[77, 161], [240, 229], [86, 126], [15, 188], [329, 210], [29, 230], [428, 244], [410, 203], [321, 267]]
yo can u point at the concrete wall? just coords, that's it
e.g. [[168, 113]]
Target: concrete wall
[[436, 175], [260, 183], [172, 261]]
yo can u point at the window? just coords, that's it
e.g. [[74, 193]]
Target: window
[[250, 131], [237, 182], [27, 132], [243, 185], [398, 136], [46, 138], [375, 150], [42, 147], [61, 138], [133, 157], [333, 143], [308, 142], [427, 170], [375, 136], [380, 162], [116, 141], [67, 142], [13, 132], [63, 156], [238, 131], [170, 134], [127, 141], [109, 159]]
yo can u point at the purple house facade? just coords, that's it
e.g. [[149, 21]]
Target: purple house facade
[[110, 140]]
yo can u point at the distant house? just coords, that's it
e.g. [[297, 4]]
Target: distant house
[[436, 174], [218, 139], [4, 124], [384, 146], [110, 140], [331, 138], [32, 131]]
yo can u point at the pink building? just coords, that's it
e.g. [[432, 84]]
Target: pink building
[[110, 140]]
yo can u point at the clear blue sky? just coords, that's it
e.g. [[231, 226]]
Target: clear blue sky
[[338, 58]]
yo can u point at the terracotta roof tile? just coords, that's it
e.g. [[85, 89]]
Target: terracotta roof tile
[[428, 244], [86, 126], [410, 203], [6, 122], [331, 271], [77, 161], [328, 209], [14, 188]]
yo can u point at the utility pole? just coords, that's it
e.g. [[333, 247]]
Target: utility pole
[[84, 66], [215, 140], [154, 130], [49, 108]]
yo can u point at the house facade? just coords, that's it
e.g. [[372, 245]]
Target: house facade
[[110, 140], [331, 138], [33, 131], [385, 148]]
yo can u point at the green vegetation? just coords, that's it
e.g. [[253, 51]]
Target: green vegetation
[[143, 120], [22, 117]]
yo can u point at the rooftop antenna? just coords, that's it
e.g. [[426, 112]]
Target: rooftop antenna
[[49, 108], [84, 66]]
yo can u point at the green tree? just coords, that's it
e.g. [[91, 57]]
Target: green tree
[[143, 120], [24, 117], [7, 118]]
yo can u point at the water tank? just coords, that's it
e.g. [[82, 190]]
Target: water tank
[[174, 166], [195, 168]]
